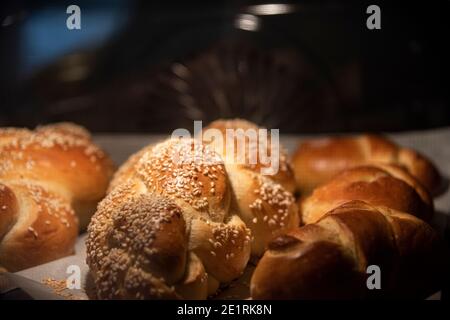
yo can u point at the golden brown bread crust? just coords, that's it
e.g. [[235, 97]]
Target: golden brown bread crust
[[304, 270], [127, 238], [328, 259], [56, 176], [66, 128], [193, 175], [421, 168], [219, 202], [42, 226], [265, 207], [381, 185], [216, 240], [285, 174], [354, 220], [317, 160], [264, 202]]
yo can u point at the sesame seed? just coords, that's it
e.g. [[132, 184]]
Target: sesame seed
[[34, 232]]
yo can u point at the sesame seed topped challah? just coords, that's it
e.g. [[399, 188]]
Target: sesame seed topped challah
[[180, 229], [51, 180]]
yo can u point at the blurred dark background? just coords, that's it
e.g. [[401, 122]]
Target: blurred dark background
[[303, 66]]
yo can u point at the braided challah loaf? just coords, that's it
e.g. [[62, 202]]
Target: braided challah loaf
[[318, 160], [50, 182], [363, 216], [328, 259], [171, 229], [168, 231]]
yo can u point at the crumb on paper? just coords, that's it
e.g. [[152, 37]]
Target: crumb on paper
[[60, 288]]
